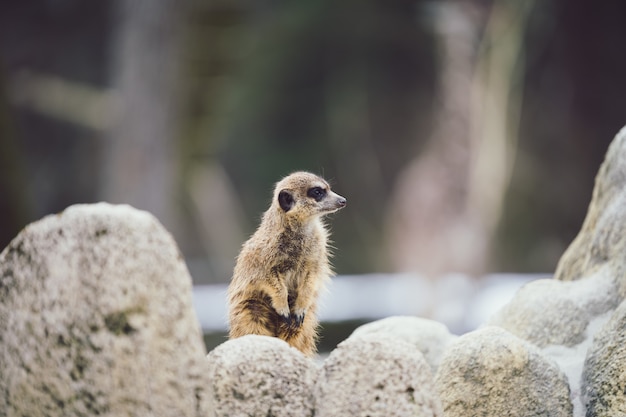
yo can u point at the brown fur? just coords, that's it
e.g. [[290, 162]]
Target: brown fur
[[284, 265]]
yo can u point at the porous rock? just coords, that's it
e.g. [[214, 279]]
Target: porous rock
[[96, 318], [371, 375], [602, 238], [428, 336], [490, 372], [604, 375], [552, 312], [260, 376]]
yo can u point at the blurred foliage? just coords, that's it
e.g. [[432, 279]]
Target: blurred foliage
[[345, 89], [342, 102]]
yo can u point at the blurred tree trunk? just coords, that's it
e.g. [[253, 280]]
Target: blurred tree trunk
[[141, 155], [15, 207], [447, 202]]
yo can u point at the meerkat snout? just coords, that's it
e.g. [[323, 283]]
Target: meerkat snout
[[283, 266]]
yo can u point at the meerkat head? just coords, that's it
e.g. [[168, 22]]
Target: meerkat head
[[304, 195]]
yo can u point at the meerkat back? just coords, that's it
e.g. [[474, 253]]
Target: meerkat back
[[284, 265]]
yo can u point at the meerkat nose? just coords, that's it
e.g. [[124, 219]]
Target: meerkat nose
[[342, 202]]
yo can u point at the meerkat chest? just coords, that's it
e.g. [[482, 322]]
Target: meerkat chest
[[300, 254]]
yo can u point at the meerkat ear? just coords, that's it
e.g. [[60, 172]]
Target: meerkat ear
[[285, 200]]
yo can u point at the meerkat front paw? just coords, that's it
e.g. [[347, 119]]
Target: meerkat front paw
[[294, 320], [280, 303], [284, 313], [298, 317]]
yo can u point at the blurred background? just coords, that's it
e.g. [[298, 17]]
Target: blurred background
[[465, 134]]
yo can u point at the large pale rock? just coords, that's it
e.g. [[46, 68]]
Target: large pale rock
[[96, 319], [428, 336], [602, 238], [490, 372], [551, 312], [261, 376], [376, 377], [604, 372]]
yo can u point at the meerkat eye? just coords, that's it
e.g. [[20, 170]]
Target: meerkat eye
[[318, 193]]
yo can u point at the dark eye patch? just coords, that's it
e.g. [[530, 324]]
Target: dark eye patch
[[317, 193]]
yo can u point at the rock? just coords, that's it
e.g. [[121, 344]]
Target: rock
[[604, 375], [261, 376], [551, 312], [428, 336], [490, 372], [96, 318], [602, 238], [371, 375]]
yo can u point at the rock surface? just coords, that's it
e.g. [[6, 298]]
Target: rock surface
[[374, 376], [490, 372], [528, 361], [428, 336], [602, 238], [96, 319], [551, 312], [261, 376], [604, 372]]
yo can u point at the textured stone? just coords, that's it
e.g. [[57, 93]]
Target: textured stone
[[604, 372], [490, 372], [551, 312], [373, 376], [602, 238], [428, 336], [260, 376], [96, 318]]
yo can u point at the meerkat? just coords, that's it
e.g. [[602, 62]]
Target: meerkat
[[284, 265]]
